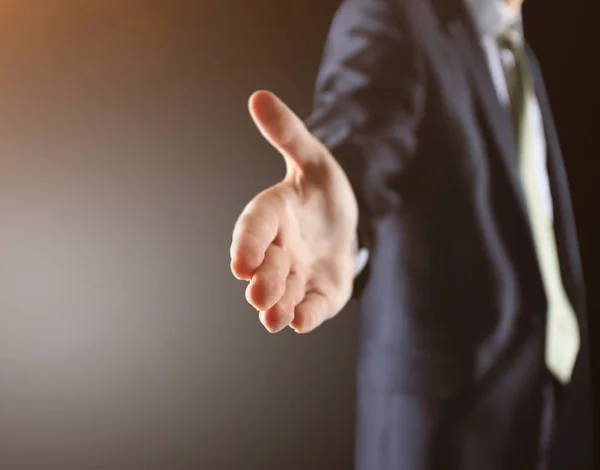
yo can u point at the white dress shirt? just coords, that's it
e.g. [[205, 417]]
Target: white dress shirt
[[490, 17]]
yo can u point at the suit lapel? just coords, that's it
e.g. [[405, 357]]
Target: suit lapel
[[497, 118]]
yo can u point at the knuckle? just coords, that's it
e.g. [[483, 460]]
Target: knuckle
[[268, 289], [250, 250], [278, 287], [284, 309], [277, 317]]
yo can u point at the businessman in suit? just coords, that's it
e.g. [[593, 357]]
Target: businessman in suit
[[429, 184]]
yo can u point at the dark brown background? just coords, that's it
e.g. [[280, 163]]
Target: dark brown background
[[126, 154]]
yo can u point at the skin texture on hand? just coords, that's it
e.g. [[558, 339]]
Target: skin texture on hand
[[293, 242]]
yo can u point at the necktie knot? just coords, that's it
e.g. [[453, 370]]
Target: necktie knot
[[512, 58], [509, 38]]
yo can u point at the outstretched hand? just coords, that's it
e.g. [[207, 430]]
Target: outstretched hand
[[293, 242]]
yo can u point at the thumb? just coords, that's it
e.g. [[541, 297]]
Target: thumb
[[285, 131]]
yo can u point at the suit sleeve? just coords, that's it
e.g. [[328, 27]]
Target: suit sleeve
[[369, 100]]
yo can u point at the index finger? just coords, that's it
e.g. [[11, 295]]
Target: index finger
[[254, 231]]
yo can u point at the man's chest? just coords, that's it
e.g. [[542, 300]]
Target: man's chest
[[468, 117]]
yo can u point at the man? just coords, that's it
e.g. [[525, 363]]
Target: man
[[432, 147]]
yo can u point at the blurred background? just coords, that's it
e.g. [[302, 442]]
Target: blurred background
[[126, 154]]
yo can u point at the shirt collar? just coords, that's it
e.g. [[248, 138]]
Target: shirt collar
[[491, 17]]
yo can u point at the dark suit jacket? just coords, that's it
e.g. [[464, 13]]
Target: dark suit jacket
[[405, 102]]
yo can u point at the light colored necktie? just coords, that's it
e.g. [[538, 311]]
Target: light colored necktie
[[562, 330]]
